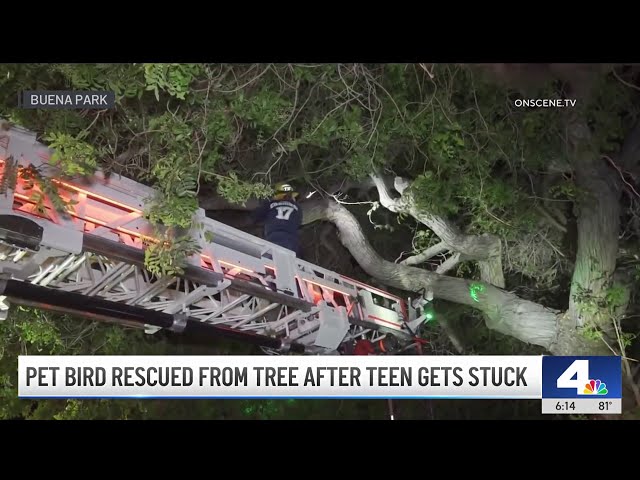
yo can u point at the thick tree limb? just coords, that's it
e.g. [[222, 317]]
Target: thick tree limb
[[449, 264], [491, 272], [430, 252], [504, 311], [485, 248]]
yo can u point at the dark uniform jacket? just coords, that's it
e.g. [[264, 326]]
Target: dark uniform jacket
[[282, 220]]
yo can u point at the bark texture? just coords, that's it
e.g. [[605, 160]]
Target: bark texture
[[598, 222]]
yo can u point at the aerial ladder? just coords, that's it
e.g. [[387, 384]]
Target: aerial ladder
[[90, 262]]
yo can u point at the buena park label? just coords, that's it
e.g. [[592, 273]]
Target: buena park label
[[35, 99]]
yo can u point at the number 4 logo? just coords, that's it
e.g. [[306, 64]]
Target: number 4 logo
[[284, 213], [578, 369]]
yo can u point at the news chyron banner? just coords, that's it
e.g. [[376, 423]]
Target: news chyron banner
[[571, 385]]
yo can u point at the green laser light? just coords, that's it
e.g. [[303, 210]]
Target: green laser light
[[474, 289]]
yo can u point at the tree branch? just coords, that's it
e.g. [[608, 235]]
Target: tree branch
[[505, 312], [430, 252], [386, 199], [448, 264], [485, 247]]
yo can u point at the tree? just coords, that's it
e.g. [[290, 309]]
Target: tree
[[527, 216]]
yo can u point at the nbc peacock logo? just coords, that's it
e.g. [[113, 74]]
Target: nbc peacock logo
[[595, 387]]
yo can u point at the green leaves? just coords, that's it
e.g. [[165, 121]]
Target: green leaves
[[436, 194], [168, 256], [615, 296], [125, 80], [46, 190], [358, 167], [175, 202], [72, 154], [219, 128], [42, 334], [173, 78], [447, 144], [171, 210], [238, 192], [265, 111]]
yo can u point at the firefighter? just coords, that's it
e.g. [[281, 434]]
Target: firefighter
[[282, 217]]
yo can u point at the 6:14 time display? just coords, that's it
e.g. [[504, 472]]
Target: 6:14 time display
[[565, 406]]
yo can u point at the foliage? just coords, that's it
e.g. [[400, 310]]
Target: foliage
[[174, 78], [238, 192], [73, 155], [168, 255]]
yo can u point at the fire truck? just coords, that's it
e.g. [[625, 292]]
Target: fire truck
[[89, 260]]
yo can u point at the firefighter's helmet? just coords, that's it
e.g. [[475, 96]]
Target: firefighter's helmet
[[285, 189]]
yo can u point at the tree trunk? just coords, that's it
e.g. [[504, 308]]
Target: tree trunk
[[598, 227], [598, 212]]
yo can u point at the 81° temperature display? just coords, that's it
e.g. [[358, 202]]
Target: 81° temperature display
[[569, 406], [581, 406]]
